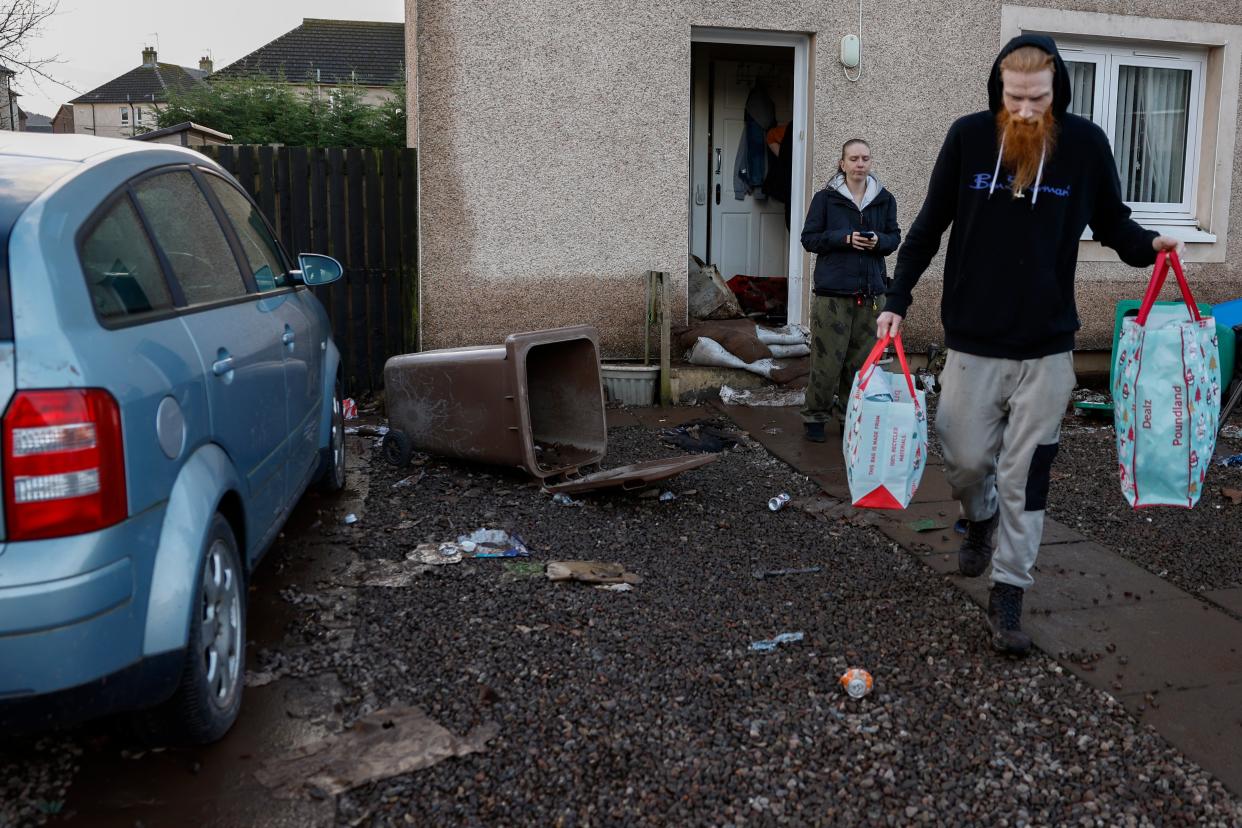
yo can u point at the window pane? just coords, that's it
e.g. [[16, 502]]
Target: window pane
[[121, 270], [187, 230], [259, 246], [1153, 108], [1082, 87]]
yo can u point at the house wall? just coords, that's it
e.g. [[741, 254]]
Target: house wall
[[105, 121], [8, 106], [63, 122], [554, 148]]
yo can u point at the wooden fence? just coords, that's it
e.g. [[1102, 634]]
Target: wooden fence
[[359, 206]]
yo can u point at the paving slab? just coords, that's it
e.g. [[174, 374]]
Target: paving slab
[[1056, 532], [1087, 575], [620, 417], [657, 417], [1206, 723], [1230, 599]]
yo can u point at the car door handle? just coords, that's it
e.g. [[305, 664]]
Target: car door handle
[[222, 366], [288, 336]]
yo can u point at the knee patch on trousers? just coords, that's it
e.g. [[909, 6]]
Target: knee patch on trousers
[[1039, 476]]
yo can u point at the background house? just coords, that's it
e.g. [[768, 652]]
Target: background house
[[322, 54], [62, 121], [10, 114], [37, 123], [127, 105], [562, 155]]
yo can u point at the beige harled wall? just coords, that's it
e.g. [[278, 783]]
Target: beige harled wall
[[554, 147]]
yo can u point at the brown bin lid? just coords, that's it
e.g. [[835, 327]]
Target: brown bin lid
[[636, 476]]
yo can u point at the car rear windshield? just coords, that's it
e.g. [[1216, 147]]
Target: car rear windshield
[[21, 180]]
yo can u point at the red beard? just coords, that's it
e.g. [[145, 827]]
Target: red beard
[[1025, 142]]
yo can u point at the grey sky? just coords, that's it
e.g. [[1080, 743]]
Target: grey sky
[[97, 40]]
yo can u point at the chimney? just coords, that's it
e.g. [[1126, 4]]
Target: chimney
[[148, 56], [204, 64]]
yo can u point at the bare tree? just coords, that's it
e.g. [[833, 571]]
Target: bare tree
[[20, 21]]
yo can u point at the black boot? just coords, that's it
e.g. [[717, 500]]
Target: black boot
[[975, 553], [1005, 620], [815, 432]]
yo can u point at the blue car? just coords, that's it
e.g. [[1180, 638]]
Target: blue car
[[170, 389]]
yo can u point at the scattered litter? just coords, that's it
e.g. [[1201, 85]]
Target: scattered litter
[[1235, 460], [769, 396], [667, 497], [777, 503], [1234, 495], [927, 525], [831, 509], [493, 543], [367, 430], [436, 554], [926, 380], [1164, 573], [857, 682], [412, 480], [349, 409], [381, 572], [384, 744], [591, 572], [760, 574], [772, 430], [772, 643], [616, 587], [1231, 432], [561, 499], [699, 437], [260, 678], [351, 518], [525, 630]]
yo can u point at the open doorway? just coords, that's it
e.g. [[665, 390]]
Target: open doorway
[[748, 161]]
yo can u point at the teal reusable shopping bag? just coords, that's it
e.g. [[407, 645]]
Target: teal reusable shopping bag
[[885, 441], [1166, 398]]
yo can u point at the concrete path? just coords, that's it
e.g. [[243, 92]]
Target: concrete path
[[1173, 660]]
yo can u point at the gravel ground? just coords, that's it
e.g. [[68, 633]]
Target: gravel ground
[[648, 707], [1197, 549], [35, 774]]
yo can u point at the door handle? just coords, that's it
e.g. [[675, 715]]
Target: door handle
[[287, 337], [717, 160], [222, 366], [717, 194]]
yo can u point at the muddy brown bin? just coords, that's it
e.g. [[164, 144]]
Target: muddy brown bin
[[535, 402]]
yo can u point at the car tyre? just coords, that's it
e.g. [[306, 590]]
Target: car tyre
[[209, 694], [396, 448], [332, 458]]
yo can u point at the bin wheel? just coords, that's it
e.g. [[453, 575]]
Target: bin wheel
[[396, 449]]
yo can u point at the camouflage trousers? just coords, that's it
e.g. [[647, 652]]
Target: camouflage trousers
[[842, 334]]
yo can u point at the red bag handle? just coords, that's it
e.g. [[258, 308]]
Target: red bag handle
[[1164, 260], [874, 356]]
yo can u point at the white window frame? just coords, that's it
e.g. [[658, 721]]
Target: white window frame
[[1108, 59], [138, 115], [125, 116]]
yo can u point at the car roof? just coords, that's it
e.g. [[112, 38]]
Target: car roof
[[63, 146]]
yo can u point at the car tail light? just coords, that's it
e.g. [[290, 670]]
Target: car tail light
[[64, 463]]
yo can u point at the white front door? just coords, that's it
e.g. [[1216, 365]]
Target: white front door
[[748, 236]]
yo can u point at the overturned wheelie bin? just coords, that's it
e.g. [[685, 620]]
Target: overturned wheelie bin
[[535, 403]]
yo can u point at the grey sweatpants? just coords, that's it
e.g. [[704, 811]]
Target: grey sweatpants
[[999, 421]]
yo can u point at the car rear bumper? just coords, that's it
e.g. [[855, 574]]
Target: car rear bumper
[[73, 610]]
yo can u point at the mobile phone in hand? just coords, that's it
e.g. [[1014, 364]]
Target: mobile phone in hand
[[868, 233]]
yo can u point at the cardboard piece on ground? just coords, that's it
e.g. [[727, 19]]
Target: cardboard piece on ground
[[386, 743], [591, 572]]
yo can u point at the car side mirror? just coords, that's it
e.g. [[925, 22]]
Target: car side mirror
[[317, 269]]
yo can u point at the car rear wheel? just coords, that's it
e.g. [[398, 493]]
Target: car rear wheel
[[208, 697], [332, 463]]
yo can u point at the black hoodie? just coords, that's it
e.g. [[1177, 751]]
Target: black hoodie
[[1009, 268]]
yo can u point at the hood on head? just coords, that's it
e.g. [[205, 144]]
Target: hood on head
[[1061, 94]]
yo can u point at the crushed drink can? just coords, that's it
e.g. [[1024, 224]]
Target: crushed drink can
[[777, 503], [349, 409], [856, 681]]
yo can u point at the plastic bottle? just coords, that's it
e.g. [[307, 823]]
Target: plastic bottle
[[857, 682], [777, 503]]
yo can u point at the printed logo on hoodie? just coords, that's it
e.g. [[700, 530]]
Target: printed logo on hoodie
[[983, 181]]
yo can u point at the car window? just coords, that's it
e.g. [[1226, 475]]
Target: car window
[[262, 254], [121, 268], [186, 229]]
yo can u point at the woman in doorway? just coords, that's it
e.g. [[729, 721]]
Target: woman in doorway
[[851, 227]]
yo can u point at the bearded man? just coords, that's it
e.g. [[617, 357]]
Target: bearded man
[[1018, 184]]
